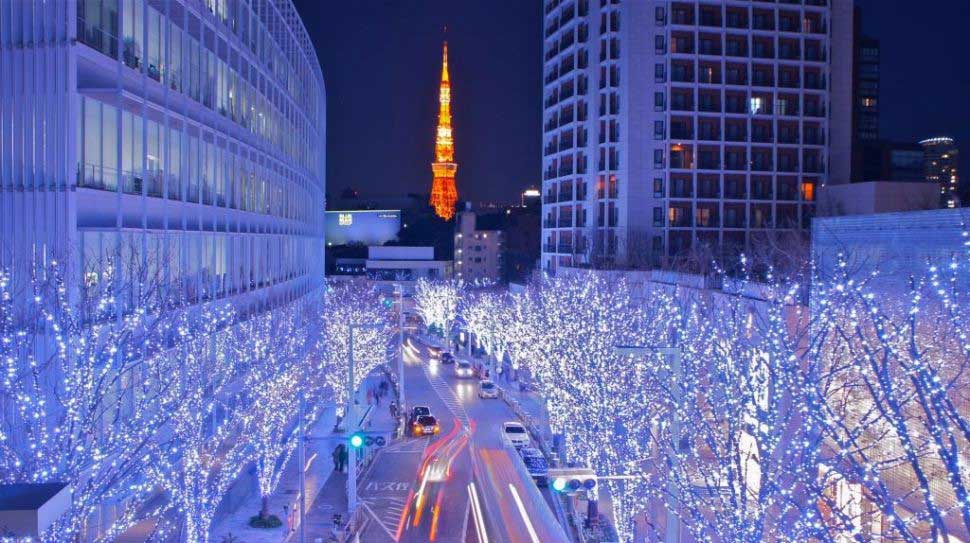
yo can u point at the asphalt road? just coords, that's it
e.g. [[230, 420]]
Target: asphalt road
[[460, 486]]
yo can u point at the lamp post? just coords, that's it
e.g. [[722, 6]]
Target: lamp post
[[672, 534], [399, 287]]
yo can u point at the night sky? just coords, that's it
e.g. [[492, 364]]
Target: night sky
[[381, 61]]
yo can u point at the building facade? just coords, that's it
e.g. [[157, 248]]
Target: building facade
[[186, 135], [478, 251], [941, 159], [671, 124]]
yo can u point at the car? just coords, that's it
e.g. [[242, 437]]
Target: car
[[535, 462], [425, 425], [447, 358], [418, 411], [464, 369], [515, 434], [487, 389]]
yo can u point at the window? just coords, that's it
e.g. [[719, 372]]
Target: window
[[660, 73], [658, 216], [658, 187], [658, 130], [658, 101], [658, 158], [755, 105], [659, 44], [660, 16]]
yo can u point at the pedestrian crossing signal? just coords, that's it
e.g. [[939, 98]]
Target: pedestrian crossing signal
[[356, 441]]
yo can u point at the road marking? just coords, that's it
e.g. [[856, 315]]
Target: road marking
[[379, 522], [525, 516], [464, 522], [477, 512]]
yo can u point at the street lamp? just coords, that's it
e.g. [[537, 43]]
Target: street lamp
[[399, 289], [675, 353]]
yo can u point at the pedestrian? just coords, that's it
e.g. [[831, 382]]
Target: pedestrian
[[393, 408], [344, 457], [287, 519], [336, 457]]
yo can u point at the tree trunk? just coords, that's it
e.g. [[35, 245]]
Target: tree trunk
[[264, 512]]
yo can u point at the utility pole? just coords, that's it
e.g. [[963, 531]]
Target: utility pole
[[302, 460], [400, 344], [351, 425]]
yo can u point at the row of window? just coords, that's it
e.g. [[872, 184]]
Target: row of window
[[205, 265], [119, 150], [210, 71]]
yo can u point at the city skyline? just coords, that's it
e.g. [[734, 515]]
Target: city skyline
[[501, 67]]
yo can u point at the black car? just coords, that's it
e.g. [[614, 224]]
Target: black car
[[425, 425], [447, 358], [418, 411], [535, 463]]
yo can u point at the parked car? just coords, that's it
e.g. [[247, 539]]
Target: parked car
[[418, 411], [487, 389], [515, 435], [464, 369], [425, 425], [536, 463], [447, 358]]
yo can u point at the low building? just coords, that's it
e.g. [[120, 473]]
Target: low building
[[872, 197], [362, 226], [478, 247], [397, 263]]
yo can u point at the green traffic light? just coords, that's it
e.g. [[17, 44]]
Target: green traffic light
[[356, 441], [559, 484]]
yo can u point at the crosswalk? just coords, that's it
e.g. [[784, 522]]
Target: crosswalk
[[447, 395]]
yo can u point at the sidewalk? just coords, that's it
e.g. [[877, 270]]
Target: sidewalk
[[322, 484], [332, 498]]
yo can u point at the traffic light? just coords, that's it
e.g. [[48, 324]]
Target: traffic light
[[369, 439], [572, 480], [388, 303]]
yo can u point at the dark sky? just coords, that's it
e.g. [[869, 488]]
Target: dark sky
[[381, 60], [925, 69]]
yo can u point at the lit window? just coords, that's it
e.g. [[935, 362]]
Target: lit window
[[755, 105]]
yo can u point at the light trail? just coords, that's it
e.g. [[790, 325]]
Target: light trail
[[477, 513], [525, 515], [434, 515]]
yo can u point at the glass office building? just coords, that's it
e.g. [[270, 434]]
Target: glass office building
[[186, 135]]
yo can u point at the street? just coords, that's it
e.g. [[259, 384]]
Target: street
[[462, 485]]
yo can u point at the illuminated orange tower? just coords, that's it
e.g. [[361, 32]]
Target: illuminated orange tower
[[444, 195]]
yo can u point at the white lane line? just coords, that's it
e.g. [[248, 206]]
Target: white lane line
[[376, 518], [464, 522], [477, 512], [525, 516]]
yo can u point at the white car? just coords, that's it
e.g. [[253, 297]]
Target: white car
[[463, 369], [515, 435], [487, 389]]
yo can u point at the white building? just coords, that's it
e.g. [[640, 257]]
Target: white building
[[478, 251], [186, 134], [669, 124]]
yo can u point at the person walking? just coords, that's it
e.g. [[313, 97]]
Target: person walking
[[336, 457], [287, 520], [344, 457]]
